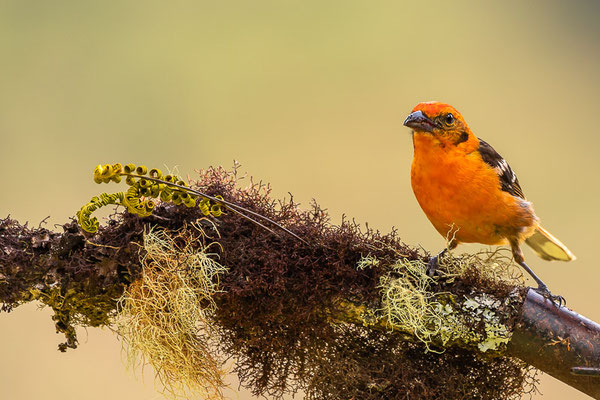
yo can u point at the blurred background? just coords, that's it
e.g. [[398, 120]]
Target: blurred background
[[307, 95]]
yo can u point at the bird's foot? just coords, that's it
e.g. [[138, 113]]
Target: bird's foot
[[544, 291], [432, 265]]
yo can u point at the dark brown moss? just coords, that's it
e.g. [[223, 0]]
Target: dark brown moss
[[270, 314]]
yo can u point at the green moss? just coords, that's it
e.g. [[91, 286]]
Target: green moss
[[75, 307]]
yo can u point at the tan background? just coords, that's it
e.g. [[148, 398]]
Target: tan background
[[308, 95]]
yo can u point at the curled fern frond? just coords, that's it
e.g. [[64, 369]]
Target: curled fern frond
[[106, 173], [84, 216], [147, 184], [144, 185]]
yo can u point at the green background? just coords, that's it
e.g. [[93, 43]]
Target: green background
[[309, 96]]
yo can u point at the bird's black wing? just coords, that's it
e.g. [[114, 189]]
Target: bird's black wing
[[508, 180]]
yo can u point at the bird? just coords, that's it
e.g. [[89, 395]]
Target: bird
[[469, 192]]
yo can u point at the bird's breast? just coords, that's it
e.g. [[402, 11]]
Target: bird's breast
[[461, 195]]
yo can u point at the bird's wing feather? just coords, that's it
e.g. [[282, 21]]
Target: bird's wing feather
[[508, 180]]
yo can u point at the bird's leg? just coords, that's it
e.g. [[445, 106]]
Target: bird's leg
[[542, 288], [434, 261]]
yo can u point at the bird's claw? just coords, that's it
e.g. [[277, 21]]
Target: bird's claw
[[556, 299], [432, 266]]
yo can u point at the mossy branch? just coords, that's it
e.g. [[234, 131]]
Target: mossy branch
[[341, 313]]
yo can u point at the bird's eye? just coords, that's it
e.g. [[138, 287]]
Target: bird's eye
[[449, 119]]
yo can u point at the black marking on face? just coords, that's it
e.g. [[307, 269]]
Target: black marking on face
[[463, 138], [508, 180]]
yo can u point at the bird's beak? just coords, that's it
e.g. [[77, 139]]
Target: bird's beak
[[419, 122]]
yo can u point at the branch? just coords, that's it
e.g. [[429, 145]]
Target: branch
[[344, 314]]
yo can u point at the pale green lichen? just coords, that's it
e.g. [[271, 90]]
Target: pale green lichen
[[367, 261], [494, 265], [408, 305], [483, 309], [453, 328], [437, 319]]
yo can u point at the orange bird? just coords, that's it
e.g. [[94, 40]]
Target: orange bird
[[469, 192]]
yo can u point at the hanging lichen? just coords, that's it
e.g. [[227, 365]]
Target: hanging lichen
[[165, 316]]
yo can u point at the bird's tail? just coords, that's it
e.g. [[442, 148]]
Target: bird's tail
[[548, 247]]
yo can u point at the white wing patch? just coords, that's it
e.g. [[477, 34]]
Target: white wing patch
[[508, 179], [503, 169]]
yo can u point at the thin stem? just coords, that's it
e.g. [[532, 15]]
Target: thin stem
[[233, 207]]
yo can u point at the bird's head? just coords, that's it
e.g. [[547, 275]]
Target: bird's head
[[441, 120]]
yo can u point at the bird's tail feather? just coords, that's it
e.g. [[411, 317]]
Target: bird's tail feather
[[548, 247]]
